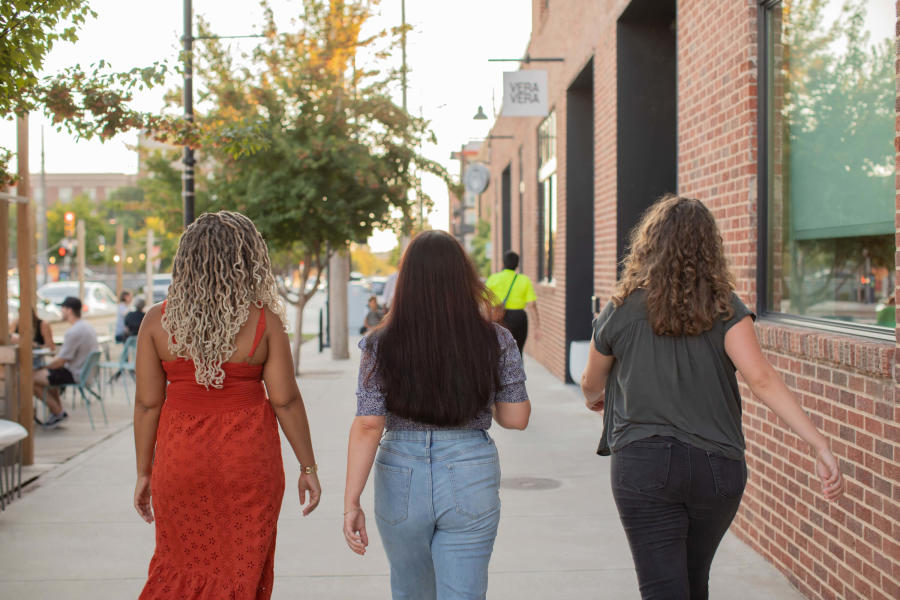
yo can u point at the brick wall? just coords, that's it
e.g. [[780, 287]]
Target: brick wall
[[849, 386], [846, 385], [578, 32]]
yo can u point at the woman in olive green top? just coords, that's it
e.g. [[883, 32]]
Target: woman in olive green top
[[663, 366]]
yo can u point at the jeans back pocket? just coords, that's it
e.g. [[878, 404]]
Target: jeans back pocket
[[643, 466], [392, 493], [729, 475], [475, 486]]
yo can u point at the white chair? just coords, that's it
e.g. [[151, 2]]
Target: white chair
[[11, 436]]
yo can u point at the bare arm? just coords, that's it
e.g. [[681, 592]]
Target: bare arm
[[593, 380], [149, 396], [512, 415], [47, 334], [284, 395], [743, 348], [365, 433], [537, 319]]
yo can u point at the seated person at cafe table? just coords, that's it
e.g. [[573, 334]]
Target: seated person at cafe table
[[134, 318], [42, 336], [80, 340]]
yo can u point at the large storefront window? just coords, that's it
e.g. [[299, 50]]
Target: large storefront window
[[547, 196], [830, 130]]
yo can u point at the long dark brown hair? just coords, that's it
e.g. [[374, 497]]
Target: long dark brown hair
[[676, 254], [437, 353]]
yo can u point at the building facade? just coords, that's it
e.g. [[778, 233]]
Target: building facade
[[780, 115], [63, 187]]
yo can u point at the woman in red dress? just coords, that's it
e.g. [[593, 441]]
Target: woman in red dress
[[205, 427]]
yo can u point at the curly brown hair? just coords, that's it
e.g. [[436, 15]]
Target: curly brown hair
[[676, 255]]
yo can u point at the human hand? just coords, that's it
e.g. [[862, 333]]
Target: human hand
[[596, 404], [829, 473], [142, 498], [309, 482], [537, 334], [355, 530]]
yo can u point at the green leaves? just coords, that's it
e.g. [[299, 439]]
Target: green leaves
[[337, 158]]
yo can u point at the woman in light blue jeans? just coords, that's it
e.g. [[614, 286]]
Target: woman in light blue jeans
[[433, 375]]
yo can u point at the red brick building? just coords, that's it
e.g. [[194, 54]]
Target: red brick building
[[780, 116]]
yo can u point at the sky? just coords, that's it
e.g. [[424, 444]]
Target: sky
[[447, 52]]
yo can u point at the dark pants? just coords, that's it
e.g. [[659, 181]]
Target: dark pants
[[517, 323], [675, 502]]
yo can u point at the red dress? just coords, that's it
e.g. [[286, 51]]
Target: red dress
[[217, 486]]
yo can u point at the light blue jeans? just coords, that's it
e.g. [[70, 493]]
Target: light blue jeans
[[437, 505]]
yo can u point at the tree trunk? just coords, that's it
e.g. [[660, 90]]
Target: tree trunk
[[298, 334]]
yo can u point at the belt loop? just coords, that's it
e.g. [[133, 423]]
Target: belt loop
[[428, 439]]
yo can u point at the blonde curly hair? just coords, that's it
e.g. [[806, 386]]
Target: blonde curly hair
[[221, 267], [676, 255]]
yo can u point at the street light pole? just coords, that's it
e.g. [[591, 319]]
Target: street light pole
[[187, 177], [403, 49]]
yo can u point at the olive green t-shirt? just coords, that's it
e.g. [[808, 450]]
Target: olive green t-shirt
[[684, 387]]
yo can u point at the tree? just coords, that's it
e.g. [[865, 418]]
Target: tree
[[86, 102], [96, 225], [480, 247], [91, 102], [342, 158], [156, 203]]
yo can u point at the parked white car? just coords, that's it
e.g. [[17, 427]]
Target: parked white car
[[161, 285], [46, 310], [98, 300]]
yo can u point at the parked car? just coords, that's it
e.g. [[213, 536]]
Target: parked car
[[376, 287], [98, 300], [46, 311], [161, 285]]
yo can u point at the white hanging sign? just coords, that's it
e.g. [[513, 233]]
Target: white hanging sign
[[525, 93]]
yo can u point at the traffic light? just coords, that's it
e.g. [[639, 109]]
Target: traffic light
[[62, 250], [69, 224]]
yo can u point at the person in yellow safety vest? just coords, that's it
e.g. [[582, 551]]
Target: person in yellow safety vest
[[515, 292]]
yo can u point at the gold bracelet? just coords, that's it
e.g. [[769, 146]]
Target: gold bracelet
[[309, 470]]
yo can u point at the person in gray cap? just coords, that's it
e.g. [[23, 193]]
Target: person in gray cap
[[80, 340]]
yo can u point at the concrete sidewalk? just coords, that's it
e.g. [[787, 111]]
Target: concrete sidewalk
[[74, 534]]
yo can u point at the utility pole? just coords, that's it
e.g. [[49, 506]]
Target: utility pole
[[81, 240], [42, 217], [187, 176], [403, 49], [338, 278], [120, 259], [148, 290]]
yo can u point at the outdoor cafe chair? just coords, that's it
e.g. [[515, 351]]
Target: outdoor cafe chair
[[85, 385], [124, 367], [11, 436]]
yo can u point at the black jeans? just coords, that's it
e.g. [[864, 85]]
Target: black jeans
[[516, 320], [675, 502]]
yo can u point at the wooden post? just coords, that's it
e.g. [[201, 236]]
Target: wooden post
[[120, 264], [148, 290], [24, 244], [82, 256], [4, 260], [338, 278]]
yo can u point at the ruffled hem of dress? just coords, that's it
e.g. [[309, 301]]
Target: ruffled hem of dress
[[167, 583]]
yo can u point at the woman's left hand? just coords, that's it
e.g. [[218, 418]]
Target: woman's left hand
[[142, 498], [355, 530], [309, 482]]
